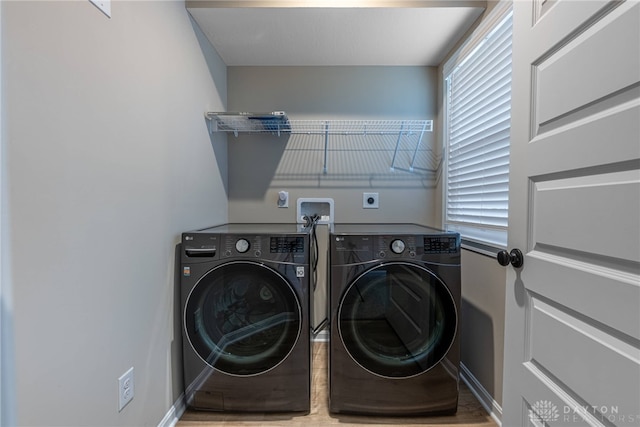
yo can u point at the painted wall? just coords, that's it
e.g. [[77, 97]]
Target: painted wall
[[482, 321], [109, 159], [260, 166]]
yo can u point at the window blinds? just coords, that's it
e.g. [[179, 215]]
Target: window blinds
[[478, 126]]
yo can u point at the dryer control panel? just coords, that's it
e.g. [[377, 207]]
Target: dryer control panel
[[441, 244]]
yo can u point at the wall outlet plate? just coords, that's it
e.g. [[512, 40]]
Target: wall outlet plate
[[125, 389], [370, 200]]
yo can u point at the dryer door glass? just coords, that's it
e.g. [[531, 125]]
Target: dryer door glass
[[397, 320], [243, 318]]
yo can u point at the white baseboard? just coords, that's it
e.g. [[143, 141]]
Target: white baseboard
[[322, 336], [483, 396], [174, 413]]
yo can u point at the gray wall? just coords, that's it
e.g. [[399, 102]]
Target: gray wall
[[109, 160], [482, 320], [260, 166]]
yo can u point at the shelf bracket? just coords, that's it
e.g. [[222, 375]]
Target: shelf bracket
[[213, 125], [395, 153], [415, 152], [326, 147]]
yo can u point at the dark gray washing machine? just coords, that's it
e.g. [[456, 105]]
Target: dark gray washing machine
[[394, 304], [245, 302]]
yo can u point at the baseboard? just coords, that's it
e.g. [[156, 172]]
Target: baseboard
[[322, 336], [483, 396], [174, 413]]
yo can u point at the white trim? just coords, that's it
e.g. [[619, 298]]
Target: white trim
[[486, 400], [175, 412], [480, 32], [322, 336]]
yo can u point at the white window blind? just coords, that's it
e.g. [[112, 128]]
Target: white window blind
[[477, 138]]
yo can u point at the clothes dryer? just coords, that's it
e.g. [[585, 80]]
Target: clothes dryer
[[394, 304], [245, 298]]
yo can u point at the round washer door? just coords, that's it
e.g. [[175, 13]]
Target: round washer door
[[397, 320], [242, 318]]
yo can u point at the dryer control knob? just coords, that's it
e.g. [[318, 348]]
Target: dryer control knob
[[397, 246], [242, 245]]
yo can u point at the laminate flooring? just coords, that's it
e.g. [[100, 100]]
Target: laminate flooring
[[470, 412]]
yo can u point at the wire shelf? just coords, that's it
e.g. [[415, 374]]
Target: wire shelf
[[406, 135], [360, 127], [278, 122]]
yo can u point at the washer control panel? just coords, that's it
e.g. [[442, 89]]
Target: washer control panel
[[242, 245], [260, 246], [395, 247], [286, 245]]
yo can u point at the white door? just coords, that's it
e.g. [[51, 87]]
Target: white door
[[572, 352]]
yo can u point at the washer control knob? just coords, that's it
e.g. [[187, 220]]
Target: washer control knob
[[242, 245], [397, 246]]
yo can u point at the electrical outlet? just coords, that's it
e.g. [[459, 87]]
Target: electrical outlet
[[125, 389], [370, 201]]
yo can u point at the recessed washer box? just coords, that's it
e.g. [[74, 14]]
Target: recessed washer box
[[323, 207]]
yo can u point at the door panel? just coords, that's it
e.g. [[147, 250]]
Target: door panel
[[565, 147], [586, 288], [572, 328], [566, 80], [556, 332], [592, 200], [565, 16]]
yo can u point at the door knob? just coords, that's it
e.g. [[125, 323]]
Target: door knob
[[514, 257]]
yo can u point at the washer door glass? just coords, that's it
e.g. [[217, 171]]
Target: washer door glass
[[397, 320], [242, 318]]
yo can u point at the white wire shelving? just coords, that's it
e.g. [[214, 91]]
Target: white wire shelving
[[406, 135]]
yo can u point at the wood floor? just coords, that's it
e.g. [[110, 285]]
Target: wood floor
[[470, 413]]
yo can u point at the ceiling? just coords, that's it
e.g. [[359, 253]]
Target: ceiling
[[355, 33]]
